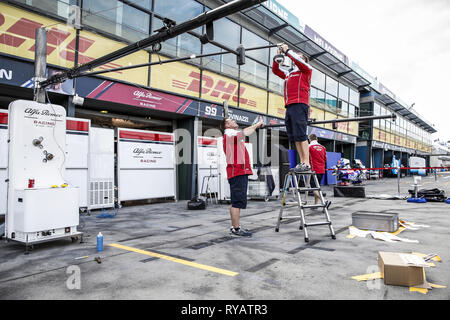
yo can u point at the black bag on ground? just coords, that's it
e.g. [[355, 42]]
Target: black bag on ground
[[196, 204], [431, 195]]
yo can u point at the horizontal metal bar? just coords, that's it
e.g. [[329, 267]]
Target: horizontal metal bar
[[313, 224], [193, 56], [169, 33], [313, 121], [313, 206]]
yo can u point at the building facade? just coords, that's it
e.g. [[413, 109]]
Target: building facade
[[165, 97]]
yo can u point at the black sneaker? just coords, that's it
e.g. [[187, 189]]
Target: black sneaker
[[240, 232]]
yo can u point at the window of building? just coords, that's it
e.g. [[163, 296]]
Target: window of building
[[331, 103], [56, 7], [116, 18], [254, 72], [354, 97], [318, 79], [331, 86], [183, 45], [147, 4], [178, 10], [342, 108], [317, 98], [351, 111], [250, 40], [343, 92]]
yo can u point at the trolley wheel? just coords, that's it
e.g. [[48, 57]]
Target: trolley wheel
[[306, 239], [333, 237], [74, 239], [277, 230]]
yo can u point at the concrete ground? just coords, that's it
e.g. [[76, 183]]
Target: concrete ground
[[270, 265]]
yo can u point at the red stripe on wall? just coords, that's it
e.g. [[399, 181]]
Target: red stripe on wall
[[25, 28], [146, 136], [3, 118], [207, 142], [11, 41], [77, 125]]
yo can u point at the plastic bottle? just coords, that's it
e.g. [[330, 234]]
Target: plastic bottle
[[99, 242]]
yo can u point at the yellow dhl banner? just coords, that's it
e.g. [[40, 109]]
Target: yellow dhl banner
[[175, 77], [185, 79], [276, 106], [380, 135], [318, 114], [342, 126], [253, 99], [353, 128], [329, 116], [388, 137], [18, 33], [17, 37], [93, 46]]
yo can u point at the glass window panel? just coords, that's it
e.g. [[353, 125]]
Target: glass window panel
[[178, 10], [343, 92], [354, 97], [56, 7], [116, 18], [342, 108], [317, 98], [249, 40], [221, 63], [147, 4], [254, 72], [318, 79], [275, 83], [331, 86], [331, 103], [376, 109], [351, 111], [228, 33]]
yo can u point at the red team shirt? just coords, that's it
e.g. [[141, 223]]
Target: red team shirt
[[317, 157], [238, 160]]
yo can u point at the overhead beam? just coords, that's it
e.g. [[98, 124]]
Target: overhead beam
[[276, 29], [315, 56], [344, 73], [170, 32]]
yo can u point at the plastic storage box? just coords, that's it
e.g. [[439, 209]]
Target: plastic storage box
[[374, 221]]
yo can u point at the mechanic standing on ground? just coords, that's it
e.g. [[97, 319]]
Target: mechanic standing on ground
[[238, 170], [318, 160], [297, 84]]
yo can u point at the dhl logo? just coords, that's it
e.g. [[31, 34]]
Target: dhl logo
[[218, 89], [23, 29]]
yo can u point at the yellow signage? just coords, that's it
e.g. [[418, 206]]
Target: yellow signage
[[17, 36], [329, 116], [318, 114], [187, 80], [176, 77], [342, 126], [276, 106], [253, 99], [93, 46], [353, 128]]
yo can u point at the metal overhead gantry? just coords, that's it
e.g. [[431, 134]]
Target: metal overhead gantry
[[170, 30]]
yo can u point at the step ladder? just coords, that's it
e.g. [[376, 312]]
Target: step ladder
[[291, 183]]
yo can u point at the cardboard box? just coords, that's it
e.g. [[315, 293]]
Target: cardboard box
[[402, 269]]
